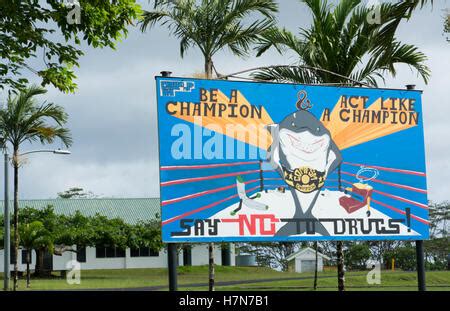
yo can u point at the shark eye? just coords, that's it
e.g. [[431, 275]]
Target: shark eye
[[318, 129], [293, 124]]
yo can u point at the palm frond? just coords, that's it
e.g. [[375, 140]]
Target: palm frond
[[239, 38], [319, 8], [236, 10], [150, 18], [342, 12], [398, 53], [48, 134], [345, 45], [213, 25], [24, 119], [281, 39], [287, 74]]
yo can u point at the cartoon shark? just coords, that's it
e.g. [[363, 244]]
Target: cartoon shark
[[304, 154]]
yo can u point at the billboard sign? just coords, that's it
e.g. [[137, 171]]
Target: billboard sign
[[247, 161]]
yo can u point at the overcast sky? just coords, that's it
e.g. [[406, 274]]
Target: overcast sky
[[113, 112]]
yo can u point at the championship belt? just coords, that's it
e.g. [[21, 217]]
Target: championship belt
[[304, 179]]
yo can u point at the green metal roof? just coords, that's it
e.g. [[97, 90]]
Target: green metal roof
[[130, 210]]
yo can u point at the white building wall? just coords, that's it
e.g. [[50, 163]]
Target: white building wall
[[59, 262], [308, 256], [298, 265], [233, 255], [22, 267], [93, 263], [199, 257], [147, 262]]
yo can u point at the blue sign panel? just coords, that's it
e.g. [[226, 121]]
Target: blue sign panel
[[246, 161]]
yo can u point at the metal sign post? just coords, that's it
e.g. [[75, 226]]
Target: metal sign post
[[419, 245], [251, 161], [172, 256], [7, 224], [226, 254], [172, 265], [420, 266], [187, 256]]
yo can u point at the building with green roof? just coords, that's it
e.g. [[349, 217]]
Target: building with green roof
[[131, 210]]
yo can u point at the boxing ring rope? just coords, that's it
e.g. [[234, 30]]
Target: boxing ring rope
[[395, 170], [194, 179], [203, 166], [401, 212], [395, 197], [205, 207], [340, 180], [273, 184], [390, 184], [202, 193], [209, 191]]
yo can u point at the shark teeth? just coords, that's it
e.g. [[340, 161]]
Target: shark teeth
[[307, 148]]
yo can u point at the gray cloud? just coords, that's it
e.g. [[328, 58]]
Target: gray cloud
[[113, 113]]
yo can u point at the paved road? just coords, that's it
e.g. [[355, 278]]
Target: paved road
[[224, 283]]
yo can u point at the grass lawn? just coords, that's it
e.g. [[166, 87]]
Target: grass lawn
[[355, 281], [136, 278]]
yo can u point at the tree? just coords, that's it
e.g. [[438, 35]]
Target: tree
[[213, 25], [65, 231], [439, 215], [379, 248], [342, 46], [146, 234], [76, 193], [340, 265], [28, 28], [447, 24], [75, 229], [316, 259], [271, 254], [24, 120], [53, 226], [34, 236], [357, 255], [115, 232], [436, 253], [437, 248], [2, 232], [42, 230], [405, 257]]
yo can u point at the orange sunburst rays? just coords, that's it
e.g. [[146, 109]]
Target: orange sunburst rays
[[230, 118], [349, 133], [249, 127]]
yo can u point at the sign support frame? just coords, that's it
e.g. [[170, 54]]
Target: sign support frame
[[172, 256], [421, 283], [172, 247]]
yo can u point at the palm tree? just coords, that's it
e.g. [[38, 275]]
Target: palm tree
[[340, 265], [34, 236], [213, 25], [342, 46], [447, 25], [24, 120]]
